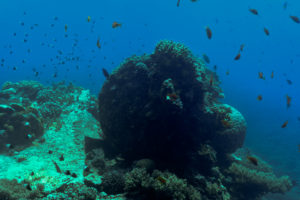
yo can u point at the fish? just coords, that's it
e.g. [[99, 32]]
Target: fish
[[161, 180], [295, 19], [211, 80], [105, 73], [266, 31], [259, 97], [206, 58], [66, 27], [272, 74], [284, 124], [238, 56], [261, 76], [172, 97], [227, 72], [208, 32], [289, 82], [253, 11], [288, 101], [98, 43], [298, 147], [253, 160], [56, 167], [116, 24], [88, 18], [225, 123], [285, 4], [178, 2], [242, 47]]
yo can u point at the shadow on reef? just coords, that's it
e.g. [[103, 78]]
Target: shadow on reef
[[164, 108]]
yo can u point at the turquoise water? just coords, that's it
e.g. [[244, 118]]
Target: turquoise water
[[35, 45]]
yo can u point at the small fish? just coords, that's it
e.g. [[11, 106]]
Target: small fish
[[66, 27], [266, 31], [225, 123], [253, 160], [161, 179], [61, 158], [215, 67], [88, 18], [211, 80], [261, 76], [105, 73], [284, 124], [285, 5], [227, 72], [98, 43], [272, 74], [259, 97], [208, 32], [206, 58], [242, 47], [56, 167], [289, 82], [238, 56], [288, 101], [253, 11], [172, 97], [116, 24], [295, 19], [178, 2], [298, 147]]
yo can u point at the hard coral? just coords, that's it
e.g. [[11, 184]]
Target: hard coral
[[156, 106], [252, 183], [158, 185]]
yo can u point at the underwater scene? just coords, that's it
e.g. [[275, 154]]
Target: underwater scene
[[150, 100]]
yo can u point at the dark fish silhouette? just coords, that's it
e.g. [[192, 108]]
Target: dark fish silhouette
[[289, 82], [295, 19], [208, 32], [206, 58], [253, 160], [105, 73], [253, 11], [266, 31]]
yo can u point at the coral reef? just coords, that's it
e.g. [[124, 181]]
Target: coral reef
[[161, 114], [158, 185], [19, 126], [27, 108], [12, 190], [163, 106], [251, 181], [164, 136]]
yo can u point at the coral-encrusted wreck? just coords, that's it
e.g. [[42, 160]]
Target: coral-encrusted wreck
[[164, 107]]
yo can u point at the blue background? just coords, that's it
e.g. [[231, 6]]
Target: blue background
[[146, 22]]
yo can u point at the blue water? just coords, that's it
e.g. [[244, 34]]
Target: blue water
[[146, 22]]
